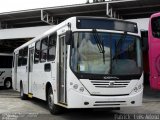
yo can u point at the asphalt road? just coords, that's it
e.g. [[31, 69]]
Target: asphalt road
[[13, 108]]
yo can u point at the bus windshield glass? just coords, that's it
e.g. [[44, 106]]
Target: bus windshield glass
[[156, 27], [105, 53]]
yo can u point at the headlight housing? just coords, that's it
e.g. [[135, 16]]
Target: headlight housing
[[137, 88], [77, 87]]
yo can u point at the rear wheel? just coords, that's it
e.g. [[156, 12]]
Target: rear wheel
[[8, 83], [22, 95], [54, 109]]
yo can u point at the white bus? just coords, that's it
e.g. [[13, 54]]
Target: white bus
[[84, 62], [6, 70]]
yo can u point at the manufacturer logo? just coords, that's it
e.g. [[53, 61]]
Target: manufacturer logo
[[110, 77], [111, 83]]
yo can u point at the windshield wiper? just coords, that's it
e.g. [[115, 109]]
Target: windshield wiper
[[99, 43], [119, 43]]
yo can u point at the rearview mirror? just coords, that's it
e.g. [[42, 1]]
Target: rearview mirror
[[68, 37]]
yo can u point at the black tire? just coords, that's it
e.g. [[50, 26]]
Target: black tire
[[8, 83], [54, 109], [22, 95]]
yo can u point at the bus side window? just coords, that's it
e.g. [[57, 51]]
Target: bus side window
[[37, 52], [44, 47], [20, 57], [25, 55], [52, 47], [13, 60], [156, 27]]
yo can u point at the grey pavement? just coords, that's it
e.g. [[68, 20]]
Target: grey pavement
[[11, 105]]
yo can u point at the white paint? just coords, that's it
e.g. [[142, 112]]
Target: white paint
[[75, 97]]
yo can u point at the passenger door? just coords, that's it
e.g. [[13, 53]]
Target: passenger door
[[30, 69], [62, 69], [15, 71]]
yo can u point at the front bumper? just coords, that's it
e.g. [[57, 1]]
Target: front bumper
[[79, 100]]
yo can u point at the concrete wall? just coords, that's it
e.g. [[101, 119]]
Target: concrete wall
[[142, 23], [30, 32], [27, 32]]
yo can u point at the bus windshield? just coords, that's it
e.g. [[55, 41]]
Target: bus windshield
[[120, 54], [156, 27]]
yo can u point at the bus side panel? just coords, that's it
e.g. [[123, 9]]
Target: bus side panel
[[19, 76], [22, 76], [4, 73], [39, 79], [154, 60], [13, 82]]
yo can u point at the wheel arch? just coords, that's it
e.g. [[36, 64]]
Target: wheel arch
[[8, 78], [48, 85]]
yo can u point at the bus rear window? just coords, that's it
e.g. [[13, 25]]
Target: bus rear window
[[155, 22]]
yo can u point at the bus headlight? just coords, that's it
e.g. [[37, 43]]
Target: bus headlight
[[78, 87], [75, 86], [135, 89], [138, 88], [81, 89]]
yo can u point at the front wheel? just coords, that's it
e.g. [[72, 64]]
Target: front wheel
[[54, 109], [8, 83]]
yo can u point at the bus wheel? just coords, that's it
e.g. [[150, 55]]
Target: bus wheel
[[22, 95], [8, 83], [54, 109]]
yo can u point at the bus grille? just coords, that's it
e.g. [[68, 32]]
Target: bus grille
[[109, 103], [109, 84]]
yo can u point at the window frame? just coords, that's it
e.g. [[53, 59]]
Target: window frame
[[49, 46], [20, 56], [36, 62], [40, 55], [23, 57]]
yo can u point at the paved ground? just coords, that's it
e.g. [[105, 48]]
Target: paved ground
[[13, 108]]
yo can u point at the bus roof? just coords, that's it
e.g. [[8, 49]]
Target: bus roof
[[45, 33], [155, 15], [64, 23]]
